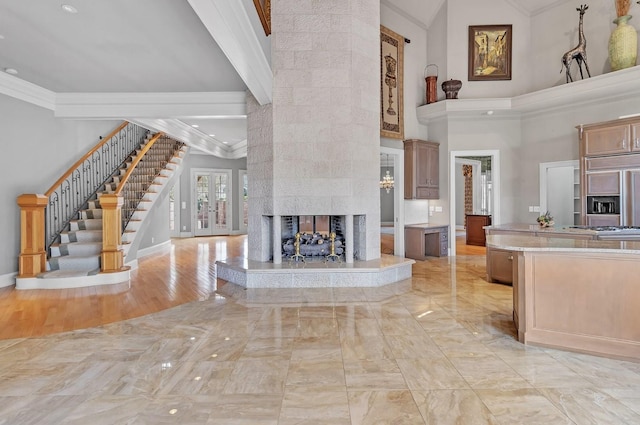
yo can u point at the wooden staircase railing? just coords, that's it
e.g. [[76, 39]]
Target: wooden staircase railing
[[112, 255], [36, 234]]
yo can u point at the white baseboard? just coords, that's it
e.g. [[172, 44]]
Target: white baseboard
[[74, 282], [186, 235], [8, 279], [155, 249]]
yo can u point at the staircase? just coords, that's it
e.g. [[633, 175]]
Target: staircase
[[75, 260]]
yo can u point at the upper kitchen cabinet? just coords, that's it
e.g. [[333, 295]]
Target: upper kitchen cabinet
[[421, 169], [610, 138]]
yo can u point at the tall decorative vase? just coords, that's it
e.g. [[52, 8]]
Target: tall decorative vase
[[623, 44]]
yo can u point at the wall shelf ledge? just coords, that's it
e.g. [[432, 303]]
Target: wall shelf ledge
[[600, 89]]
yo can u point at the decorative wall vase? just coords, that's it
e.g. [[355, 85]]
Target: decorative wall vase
[[623, 44], [451, 88]]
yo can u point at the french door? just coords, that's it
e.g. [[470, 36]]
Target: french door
[[211, 202]]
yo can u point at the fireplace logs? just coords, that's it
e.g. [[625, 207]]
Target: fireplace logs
[[311, 245]]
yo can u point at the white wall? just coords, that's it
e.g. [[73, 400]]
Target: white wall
[[437, 46], [415, 60], [38, 148], [555, 31], [461, 14]]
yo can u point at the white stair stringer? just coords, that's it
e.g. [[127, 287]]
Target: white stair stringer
[[75, 260], [132, 231]]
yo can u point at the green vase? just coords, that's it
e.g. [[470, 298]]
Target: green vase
[[623, 44]]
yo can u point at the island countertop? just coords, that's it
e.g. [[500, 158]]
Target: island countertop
[[537, 229], [576, 294], [526, 242]]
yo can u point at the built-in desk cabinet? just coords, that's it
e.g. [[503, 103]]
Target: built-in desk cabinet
[[422, 241], [421, 169]]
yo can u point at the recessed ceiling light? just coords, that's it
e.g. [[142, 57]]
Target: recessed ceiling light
[[489, 112], [226, 143], [195, 125], [11, 71], [69, 9], [212, 135]]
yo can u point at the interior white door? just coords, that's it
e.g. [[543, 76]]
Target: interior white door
[[212, 196], [557, 191]]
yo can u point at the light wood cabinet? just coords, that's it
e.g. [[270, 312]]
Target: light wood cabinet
[[635, 137], [421, 169], [609, 152], [607, 140], [603, 183], [603, 219], [500, 265]]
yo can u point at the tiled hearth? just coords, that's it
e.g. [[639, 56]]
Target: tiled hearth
[[314, 274]]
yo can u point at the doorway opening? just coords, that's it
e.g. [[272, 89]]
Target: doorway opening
[[211, 189], [392, 202], [488, 200]]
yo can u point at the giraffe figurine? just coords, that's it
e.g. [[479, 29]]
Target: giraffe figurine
[[579, 53]]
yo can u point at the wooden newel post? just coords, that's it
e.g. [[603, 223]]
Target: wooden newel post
[[33, 257], [111, 256]]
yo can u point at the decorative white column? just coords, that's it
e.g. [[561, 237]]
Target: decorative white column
[[277, 239], [348, 248]]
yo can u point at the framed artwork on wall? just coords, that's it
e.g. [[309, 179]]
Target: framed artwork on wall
[[391, 72], [264, 13], [489, 52]]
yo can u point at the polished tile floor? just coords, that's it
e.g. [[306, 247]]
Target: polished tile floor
[[436, 349]]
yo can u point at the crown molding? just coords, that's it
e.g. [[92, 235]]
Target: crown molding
[[192, 137], [230, 26], [601, 88], [150, 105], [26, 91], [407, 16]]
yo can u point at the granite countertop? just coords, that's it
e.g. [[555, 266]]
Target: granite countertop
[[535, 228], [425, 226], [543, 243]]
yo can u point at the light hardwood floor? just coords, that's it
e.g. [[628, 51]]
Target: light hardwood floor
[[185, 274]]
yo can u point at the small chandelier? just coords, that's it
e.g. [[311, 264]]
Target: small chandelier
[[387, 180]]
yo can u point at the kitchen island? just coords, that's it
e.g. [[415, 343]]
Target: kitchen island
[[575, 294]]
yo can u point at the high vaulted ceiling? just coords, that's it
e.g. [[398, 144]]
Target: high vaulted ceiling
[[147, 46]]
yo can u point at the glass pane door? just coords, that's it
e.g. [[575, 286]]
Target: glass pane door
[[212, 202]]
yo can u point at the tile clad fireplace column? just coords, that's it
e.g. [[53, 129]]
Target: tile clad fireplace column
[[315, 150]]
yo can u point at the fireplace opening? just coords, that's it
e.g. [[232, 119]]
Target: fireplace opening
[[313, 237]]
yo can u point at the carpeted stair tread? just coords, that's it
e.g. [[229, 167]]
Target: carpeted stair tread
[[74, 262], [76, 249], [81, 236], [88, 224]]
